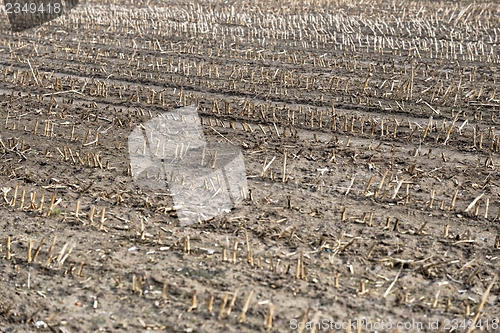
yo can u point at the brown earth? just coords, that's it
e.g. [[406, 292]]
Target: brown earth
[[387, 115]]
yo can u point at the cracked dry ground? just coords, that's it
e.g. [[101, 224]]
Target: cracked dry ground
[[386, 208]]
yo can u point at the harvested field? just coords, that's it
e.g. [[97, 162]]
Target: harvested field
[[370, 138]]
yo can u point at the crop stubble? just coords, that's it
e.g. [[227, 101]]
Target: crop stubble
[[371, 143]]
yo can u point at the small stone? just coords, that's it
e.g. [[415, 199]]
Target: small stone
[[40, 324]]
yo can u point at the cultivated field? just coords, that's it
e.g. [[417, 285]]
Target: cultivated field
[[370, 137]]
